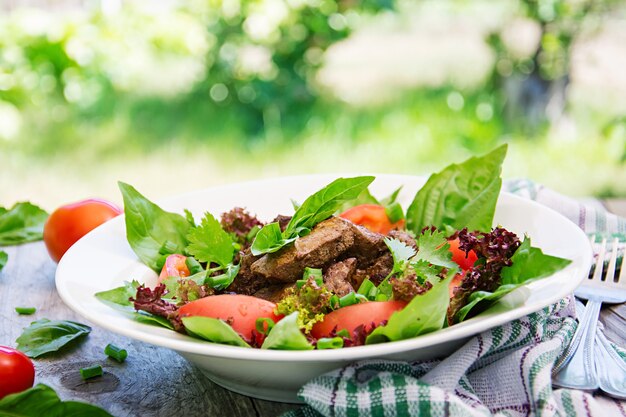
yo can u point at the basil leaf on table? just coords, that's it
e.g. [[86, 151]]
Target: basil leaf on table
[[210, 243], [286, 335], [4, 257], [213, 330], [316, 208], [45, 336], [461, 195], [149, 228], [528, 264], [119, 299], [41, 400], [21, 224]]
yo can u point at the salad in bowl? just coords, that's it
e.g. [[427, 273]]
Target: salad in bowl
[[345, 268]]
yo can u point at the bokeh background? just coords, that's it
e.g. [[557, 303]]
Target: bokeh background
[[173, 96]]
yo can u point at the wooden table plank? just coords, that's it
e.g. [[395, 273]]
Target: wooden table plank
[[153, 381]]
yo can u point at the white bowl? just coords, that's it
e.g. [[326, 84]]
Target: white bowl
[[103, 260]]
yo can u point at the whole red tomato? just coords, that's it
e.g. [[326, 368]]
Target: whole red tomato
[[69, 223], [17, 372]]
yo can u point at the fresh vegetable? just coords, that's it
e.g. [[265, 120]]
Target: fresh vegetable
[[152, 232], [461, 195], [365, 316], [240, 311], [311, 300], [464, 260], [215, 330], [45, 336], [25, 310], [17, 372], [4, 257], [175, 266], [69, 223], [286, 335], [372, 216], [91, 372], [115, 352], [319, 206], [41, 400], [21, 223]]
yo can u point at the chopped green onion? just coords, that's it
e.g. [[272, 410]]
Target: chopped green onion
[[315, 273], [394, 212], [219, 281], [252, 233], [115, 352], [25, 310], [264, 325], [168, 248], [368, 289], [334, 302], [382, 297], [330, 343], [351, 298], [91, 372], [160, 262], [193, 265], [343, 333]]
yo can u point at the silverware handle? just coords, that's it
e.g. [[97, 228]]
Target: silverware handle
[[611, 368], [578, 369]]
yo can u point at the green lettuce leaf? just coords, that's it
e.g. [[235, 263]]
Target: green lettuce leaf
[[45, 336], [4, 258], [424, 314], [316, 208], [528, 264], [119, 299], [213, 330], [149, 228], [461, 195], [21, 224], [41, 400], [286, 335], [210, 243]]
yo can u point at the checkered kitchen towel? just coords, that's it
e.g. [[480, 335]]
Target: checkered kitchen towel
[[505, 371]]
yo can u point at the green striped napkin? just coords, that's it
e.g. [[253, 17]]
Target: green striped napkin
[[505, 371]]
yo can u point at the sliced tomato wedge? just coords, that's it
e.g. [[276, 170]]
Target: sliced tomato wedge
[[372, 216], [175, 266]]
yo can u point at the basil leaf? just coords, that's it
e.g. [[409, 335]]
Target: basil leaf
[[461, 195], [424, 314], [286, 335], [4, 258], [213, 330], [22, 223], [119, 299], [41, 400], [269, 239], [528, 264], [210, 243], [148, 226], [316, 208], [45, 336]]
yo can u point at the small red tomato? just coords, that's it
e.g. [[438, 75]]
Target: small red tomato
[[17, 372], [459, 256], [69, 223], [349, 318], [372, 216], [240, 311], [175, 266]]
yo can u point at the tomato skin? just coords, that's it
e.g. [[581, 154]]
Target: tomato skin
[[353, 316], [459, 256], [69, 223], [240, 311], [17, 372], [174, 266], [372, 216]]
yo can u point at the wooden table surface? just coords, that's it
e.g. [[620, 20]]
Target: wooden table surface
[[153, 381]]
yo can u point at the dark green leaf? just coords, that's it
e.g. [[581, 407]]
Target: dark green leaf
[[148, 227], [45, 336], [4, 258], [286, 335], [22, 223], [461, 195], [213, 330], [41, 400], [210, 243], [424, 314]]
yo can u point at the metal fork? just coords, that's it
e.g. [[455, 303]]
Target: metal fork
[[577, 368]]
